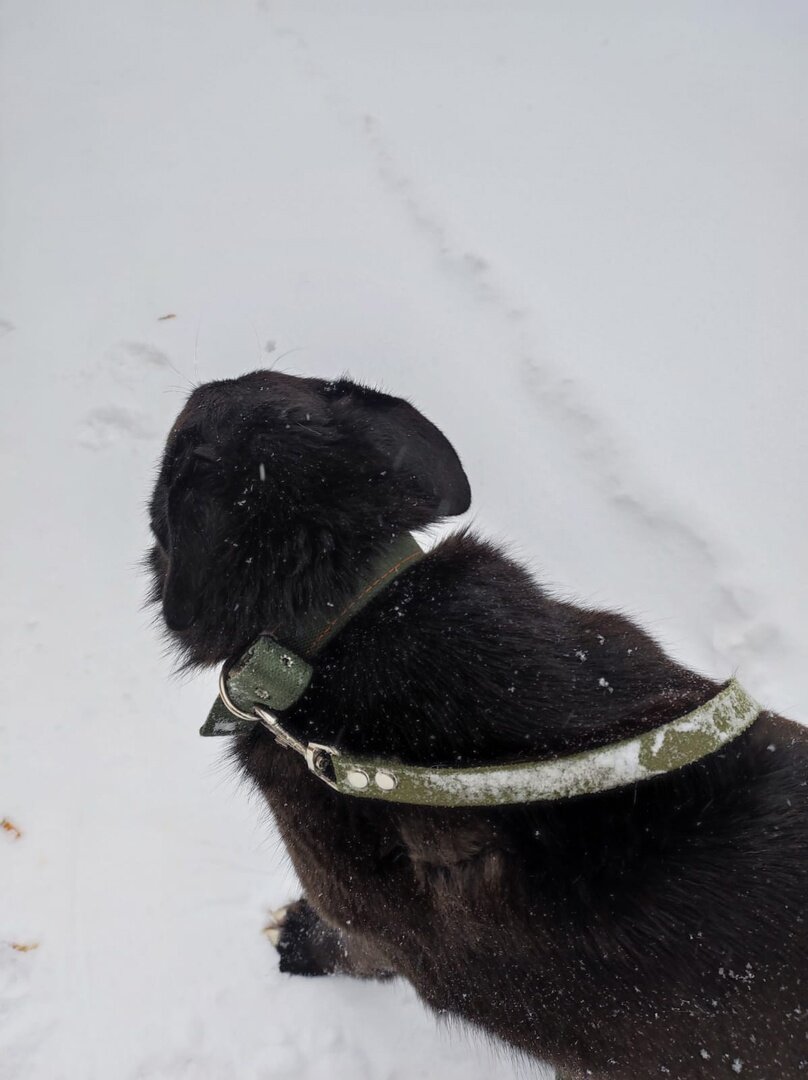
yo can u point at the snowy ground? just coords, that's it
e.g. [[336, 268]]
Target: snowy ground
[[573, 233]]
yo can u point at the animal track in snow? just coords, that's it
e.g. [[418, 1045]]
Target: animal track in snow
[[593, 444], [469, 266], [560, 398], [472, 268], [128, 360], [108, 424]]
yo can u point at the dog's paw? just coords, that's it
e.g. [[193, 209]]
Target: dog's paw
[[272, 930], [306, 945]]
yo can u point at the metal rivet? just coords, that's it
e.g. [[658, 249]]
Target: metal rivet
[[261, 693], [286, 661], [357, 779], [320, 761], [385, 780]]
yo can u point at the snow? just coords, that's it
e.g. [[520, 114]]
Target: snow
[[574, 235]]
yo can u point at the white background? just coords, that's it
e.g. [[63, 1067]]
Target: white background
[[573, 233]]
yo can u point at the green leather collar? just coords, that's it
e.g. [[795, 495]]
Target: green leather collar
[[275, 676], [270, 677], [661, 750]]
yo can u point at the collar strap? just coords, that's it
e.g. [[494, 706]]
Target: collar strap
[[314, 631]]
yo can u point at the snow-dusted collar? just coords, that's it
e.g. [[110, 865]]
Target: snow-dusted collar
[[271, 677]]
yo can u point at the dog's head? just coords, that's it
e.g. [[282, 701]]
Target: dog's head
[[273, 488]]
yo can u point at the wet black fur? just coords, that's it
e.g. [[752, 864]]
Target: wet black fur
[[654, 931]]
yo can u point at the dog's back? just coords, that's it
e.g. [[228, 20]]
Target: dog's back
[[655, 930]]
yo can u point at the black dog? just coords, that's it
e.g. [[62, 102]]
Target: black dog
[[658, 929]]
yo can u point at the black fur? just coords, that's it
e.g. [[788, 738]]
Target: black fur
[[658, 930]]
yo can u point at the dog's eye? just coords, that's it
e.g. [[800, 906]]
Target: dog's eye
[[188, 446], [206, 453], [188, 458]]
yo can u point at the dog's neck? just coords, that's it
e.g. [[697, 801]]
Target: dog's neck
[[315, 622], [307, 580]]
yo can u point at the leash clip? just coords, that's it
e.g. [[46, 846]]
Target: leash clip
[[317, 755], [319, 760]]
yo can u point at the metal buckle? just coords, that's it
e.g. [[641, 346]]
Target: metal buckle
[[318, 756]]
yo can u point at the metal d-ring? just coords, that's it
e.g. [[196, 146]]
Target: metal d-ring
[[270, 721], [227, 701]]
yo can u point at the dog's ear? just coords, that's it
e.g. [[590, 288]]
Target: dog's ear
[[187, 556], [410, 445]]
